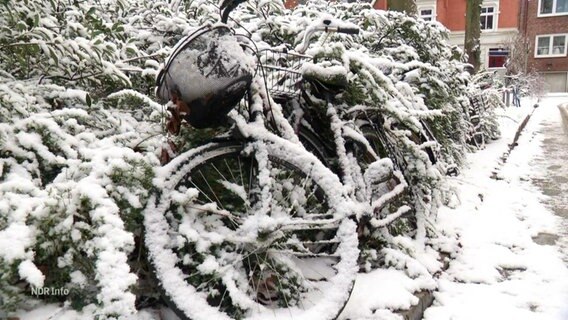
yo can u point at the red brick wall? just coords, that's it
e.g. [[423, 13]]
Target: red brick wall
[[544, 25], [509, 13], [380, 4], [451, 13], [289, 4]]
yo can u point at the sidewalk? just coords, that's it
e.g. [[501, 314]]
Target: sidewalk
[[552, 179], [500, 272]]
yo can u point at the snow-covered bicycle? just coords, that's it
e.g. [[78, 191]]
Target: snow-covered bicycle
[[354, 143], [251, 225]]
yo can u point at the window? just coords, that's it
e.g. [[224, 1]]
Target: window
[[427, 13], [488, 18], [552, 7], [559, 45], [497, 58], [551, 45]]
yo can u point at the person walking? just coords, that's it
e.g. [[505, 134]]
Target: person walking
[[516, 96]]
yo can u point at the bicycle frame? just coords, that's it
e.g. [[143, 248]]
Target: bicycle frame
[[284, 192], [349, 140], [339, 152]]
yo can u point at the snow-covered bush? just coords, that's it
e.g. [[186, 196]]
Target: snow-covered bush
[[72, 189], [411, 56], [485, 96], [101, 46], [424, 59], [80, 132], [75, 164]]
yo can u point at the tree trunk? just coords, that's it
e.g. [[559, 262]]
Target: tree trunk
[[472, 34], [406, 6]]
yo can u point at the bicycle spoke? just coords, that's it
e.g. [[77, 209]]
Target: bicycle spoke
[[200, 191], [274, 269], [213, 192]]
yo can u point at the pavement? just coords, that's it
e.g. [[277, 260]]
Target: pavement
[[553, 179], [512, 224]]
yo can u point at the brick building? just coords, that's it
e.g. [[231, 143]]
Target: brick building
[[499, 24], [544, 23], [499, 20]]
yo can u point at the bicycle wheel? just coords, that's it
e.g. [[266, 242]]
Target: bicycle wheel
[[381, 147], [390, 195], [251, 231]]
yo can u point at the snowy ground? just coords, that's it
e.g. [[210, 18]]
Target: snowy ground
[[553, 180], [499, 272]]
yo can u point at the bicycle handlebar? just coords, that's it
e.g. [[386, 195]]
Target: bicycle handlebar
[[348, 30], [326, 25]]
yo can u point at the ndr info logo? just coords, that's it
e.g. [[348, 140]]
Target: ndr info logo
[[48, 291], [44, 291]]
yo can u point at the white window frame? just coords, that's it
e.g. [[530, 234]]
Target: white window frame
[[536, 55], [495, 15], [427, 7], [553, 13]]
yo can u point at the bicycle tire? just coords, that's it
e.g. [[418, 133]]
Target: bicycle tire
[[188, 271], [391, 196], [380, 188]]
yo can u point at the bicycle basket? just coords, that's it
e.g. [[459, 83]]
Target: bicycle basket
[[282, 72], [209, 72]]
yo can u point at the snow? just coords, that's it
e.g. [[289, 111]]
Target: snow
[[78, 277], [499, 272], [380, 289], [325, 20], [29, 272], [14, 240], [84, 146], [75, 93], [204, 63], [496, 270]]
